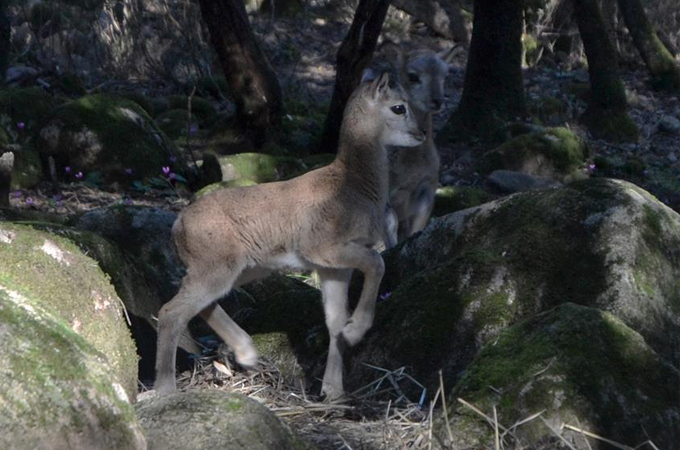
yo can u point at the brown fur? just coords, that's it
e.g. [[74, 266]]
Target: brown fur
[[328, 219]]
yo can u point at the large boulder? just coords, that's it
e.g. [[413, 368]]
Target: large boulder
[[56, 390], [58, 277], [146, 234], [580, 366], [244, 169], [213, 419], [601, 243], [556, 153], [100, 133]]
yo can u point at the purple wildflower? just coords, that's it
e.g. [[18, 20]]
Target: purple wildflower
[[193, 129], [17, 194], [173, 159], [127, 201], [172, 175], [79, 175], [29, 201], [166, 170], [21, 125], [128, 171], [385, 296], [67, 169], [592, 167]]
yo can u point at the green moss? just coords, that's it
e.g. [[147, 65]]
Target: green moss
[[142, 100], [455, 198], [598, 368], [613, 126], [175, 123], [200, 107], [542, 153], [129, 137], [27, 170], [73, 288], [71, 84], [258, 167], [531, 49], [32, 106], [50, 371]]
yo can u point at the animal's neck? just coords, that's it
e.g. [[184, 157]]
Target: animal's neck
[[366, 165], [424, 119]]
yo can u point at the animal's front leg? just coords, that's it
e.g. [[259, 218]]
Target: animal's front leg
[[361, 320], [334, 285]]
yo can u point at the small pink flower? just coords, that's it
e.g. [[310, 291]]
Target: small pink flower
[[128, 171], [385, 296], [173, 159], [166, 170], [21, 125], [17, 194], [127, 201], [592, 167], [79, 175], [29, 201], [67, 169], [172, 175]]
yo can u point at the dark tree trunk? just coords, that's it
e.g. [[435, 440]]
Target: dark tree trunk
[[493, 92], [445, 17], [606, 116], [6, 165], [5, 31], [661, 64], [353, 56], [252, 82]]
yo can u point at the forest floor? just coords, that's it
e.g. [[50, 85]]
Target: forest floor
[[305, 64]]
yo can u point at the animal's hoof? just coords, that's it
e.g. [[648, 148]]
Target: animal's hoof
[[247, 359], [164, 387], [333, 394]]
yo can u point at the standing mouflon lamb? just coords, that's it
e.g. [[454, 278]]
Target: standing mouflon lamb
[[414, 174], [328, 219]]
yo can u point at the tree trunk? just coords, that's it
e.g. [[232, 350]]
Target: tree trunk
[[493, 92], [6, 165], [445, 17], [606, 116], [252, 82], [661, 64], [5, 32], [353, 56]]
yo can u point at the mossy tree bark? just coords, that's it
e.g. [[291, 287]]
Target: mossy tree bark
[[606, 116], [493, 92], [252, 81], [659, 61], [353, 56], [5, 32]]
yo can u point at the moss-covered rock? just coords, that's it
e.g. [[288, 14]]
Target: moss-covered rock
[[145, 234], [552, 153], [30, 106], [142, 100], [56, 390], [175, 123], [549, 110], [579, 365], [105, 134], [212, 419], [244, 169], [454, 198], [54, 273], [601, 243], [200, 107], [28, 169], [612, 126]]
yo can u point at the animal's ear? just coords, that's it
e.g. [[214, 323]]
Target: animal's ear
[[447, 55], [380, 85], [368, 75], [393, 53]]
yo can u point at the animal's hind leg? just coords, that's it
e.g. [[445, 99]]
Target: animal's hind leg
[[197, 292], [334, 285], [233, 335]]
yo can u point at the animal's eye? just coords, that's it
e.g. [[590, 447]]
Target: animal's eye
[[413, 78], [398, 109]]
